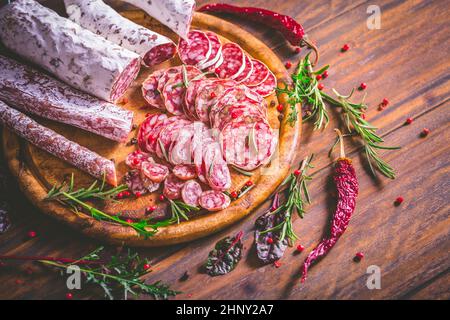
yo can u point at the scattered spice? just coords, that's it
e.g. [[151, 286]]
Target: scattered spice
[[137, 194], [32, 234], [325, 74], [300, 248], [150, 209], [347, 189], [249, 183], [290, 28], [212, 95], [162, 198], [409, 121], [234, 194], [345, 47], [146, 266], [288, 65], [320, 86], [277, 263], [358, 256], [19, 281], [297, 50], [134, 126], [398, 201], [425, 132], [272, 103], [362, 86], [225, 256], [280, 108], [132, 142], [69, 296], [319, 77]]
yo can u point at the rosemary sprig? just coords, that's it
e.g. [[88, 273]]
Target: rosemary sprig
[[66, 195], [297, 196], [123, 272], [356, 125], [305, 91]]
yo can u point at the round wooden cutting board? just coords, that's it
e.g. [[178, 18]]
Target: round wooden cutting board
[[37, 170]]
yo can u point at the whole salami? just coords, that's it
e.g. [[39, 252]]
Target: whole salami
[[176, 14], [32, 91], [77, 56], [103, 20], [59, 146]]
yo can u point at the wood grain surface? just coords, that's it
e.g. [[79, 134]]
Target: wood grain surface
[[405, 61]]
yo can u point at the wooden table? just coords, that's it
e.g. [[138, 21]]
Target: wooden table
[[405, 61]]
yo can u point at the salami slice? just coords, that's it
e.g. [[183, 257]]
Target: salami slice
[[152, 138], [233, 61], [212, 200], [216, 170], [101, 19], [147, 131], [32, 91], [217, 64], [176, 14], [190, 192], [196, 50], [259, 74], [57, 145], [181, 148], [247, 72], [167, 134], [150, 90], [245, 111], [267, 87], [184, 171], [75, 55], [189, 98], [135, 159], [174, 90], [138, 183], [208, 96], [154, 171], [216, 50], [172, 187]]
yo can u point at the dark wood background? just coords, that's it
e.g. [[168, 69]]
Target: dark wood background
[[405, 61]]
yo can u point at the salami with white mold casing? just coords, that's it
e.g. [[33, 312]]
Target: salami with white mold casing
[[103, 20], [176, 14], [57, 145], [32, 91], [75, 55]]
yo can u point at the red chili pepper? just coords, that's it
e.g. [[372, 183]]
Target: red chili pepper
[[291, 29], [347, 189]]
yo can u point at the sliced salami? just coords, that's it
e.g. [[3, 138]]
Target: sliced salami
[[176, 14], [267, 87], [196, 50], [208, 95], [167, 134], [259, 74], [174, 90], [148, 130], [217, 64], [135, 159], [150, 90], [75, 55], [184, 171], [32, 91], [172, 187], [190, 193], [216, 50], [189, 98], [181, 148], [233, 61], [247, 72], [101, 19], [57, 145], [154, 171], [212, 200], [245, 111], [216, 169], [137, 183]]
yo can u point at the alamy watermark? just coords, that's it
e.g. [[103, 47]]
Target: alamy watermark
[[374, 279], [374, 19]]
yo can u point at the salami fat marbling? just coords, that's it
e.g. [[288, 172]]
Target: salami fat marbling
[[57, 145], [103, 20], [32, 91], [75, 55]]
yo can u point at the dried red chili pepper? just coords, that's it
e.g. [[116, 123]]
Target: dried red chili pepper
[[291, 29], [347, 188]]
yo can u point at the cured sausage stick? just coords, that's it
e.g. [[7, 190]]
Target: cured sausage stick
[[176, 14], [103, 20], [59, 146], [32, 91], [75, 55]]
